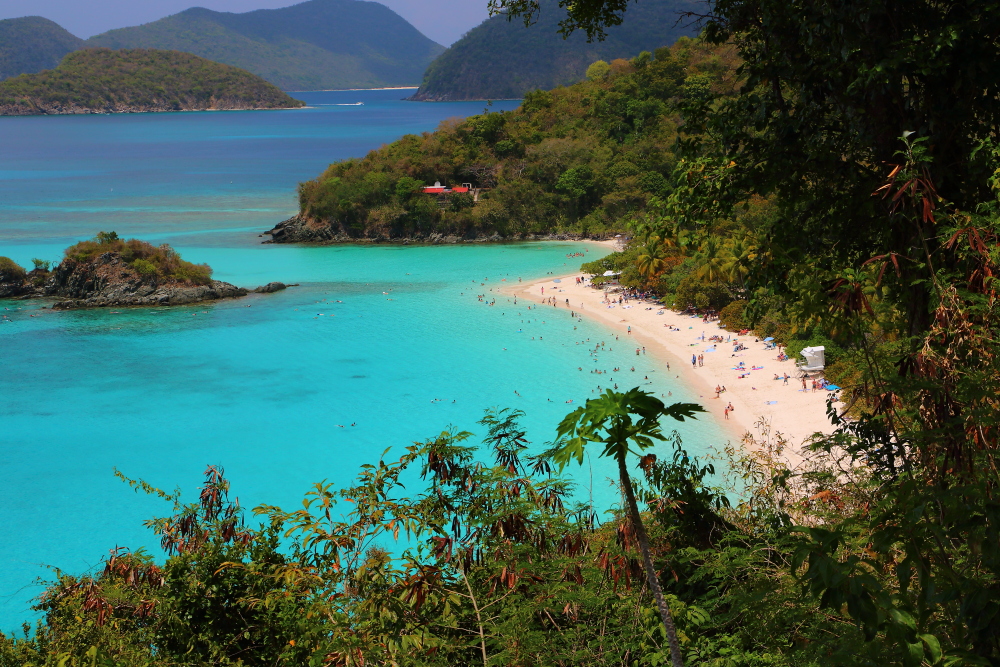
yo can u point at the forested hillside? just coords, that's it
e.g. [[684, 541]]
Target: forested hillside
[[106, 81], [502, 59], [31, 44], [314, 45], [580, 159]]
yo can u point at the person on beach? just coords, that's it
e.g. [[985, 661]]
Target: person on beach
[[726, 411], [694, 362]]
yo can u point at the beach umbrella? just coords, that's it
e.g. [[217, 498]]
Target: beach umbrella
[[832, 387], [769, 338]]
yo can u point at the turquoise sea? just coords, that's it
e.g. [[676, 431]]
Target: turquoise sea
[[377, 347]]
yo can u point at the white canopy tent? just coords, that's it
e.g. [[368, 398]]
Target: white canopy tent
[[815, 358], [610, 274]]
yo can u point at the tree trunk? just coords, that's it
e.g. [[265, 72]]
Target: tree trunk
[[647, 562]]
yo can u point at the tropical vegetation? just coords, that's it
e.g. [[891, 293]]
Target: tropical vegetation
[[579, 159], [495, 562]]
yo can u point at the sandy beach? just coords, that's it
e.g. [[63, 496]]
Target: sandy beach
[[674, 337]]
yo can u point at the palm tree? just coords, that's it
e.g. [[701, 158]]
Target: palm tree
[[608, 420], [652, 259], [711, 256], [738, 256]]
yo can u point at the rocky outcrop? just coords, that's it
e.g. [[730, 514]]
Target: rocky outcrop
[[109, 281], [271, 287], [12, 280], [299, 229]]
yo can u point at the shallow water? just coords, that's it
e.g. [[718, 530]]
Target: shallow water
[[268, 386]]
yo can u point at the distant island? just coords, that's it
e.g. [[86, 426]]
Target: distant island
[[111, 271], [31, 43], [314, 45], [503, 59], [137, 80]]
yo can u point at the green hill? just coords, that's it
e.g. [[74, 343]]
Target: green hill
[[106, 81], [31, 44], [576, 160], [503, 59], [319, 44]]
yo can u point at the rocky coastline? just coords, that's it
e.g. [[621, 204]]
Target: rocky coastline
[[108, 281], [299, 229]]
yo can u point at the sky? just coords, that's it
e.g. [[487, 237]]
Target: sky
[[444, 21]]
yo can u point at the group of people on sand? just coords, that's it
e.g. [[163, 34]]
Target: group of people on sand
[[818, 384]]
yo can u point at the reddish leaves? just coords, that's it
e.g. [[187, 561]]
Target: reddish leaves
[[190, 530], [918, 190]]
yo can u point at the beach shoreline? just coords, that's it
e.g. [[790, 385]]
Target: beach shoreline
[[672, 338]]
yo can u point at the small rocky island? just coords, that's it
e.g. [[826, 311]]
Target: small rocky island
[[137, 80], [110, 271]]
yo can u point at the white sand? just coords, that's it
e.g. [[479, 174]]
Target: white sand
[[795, 414]]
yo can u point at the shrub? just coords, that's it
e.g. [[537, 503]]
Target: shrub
[[144, 267], [694, 292], [9, 269], [460, 201], [733, 316], [599, 69], [41, 264], [198, 274]]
